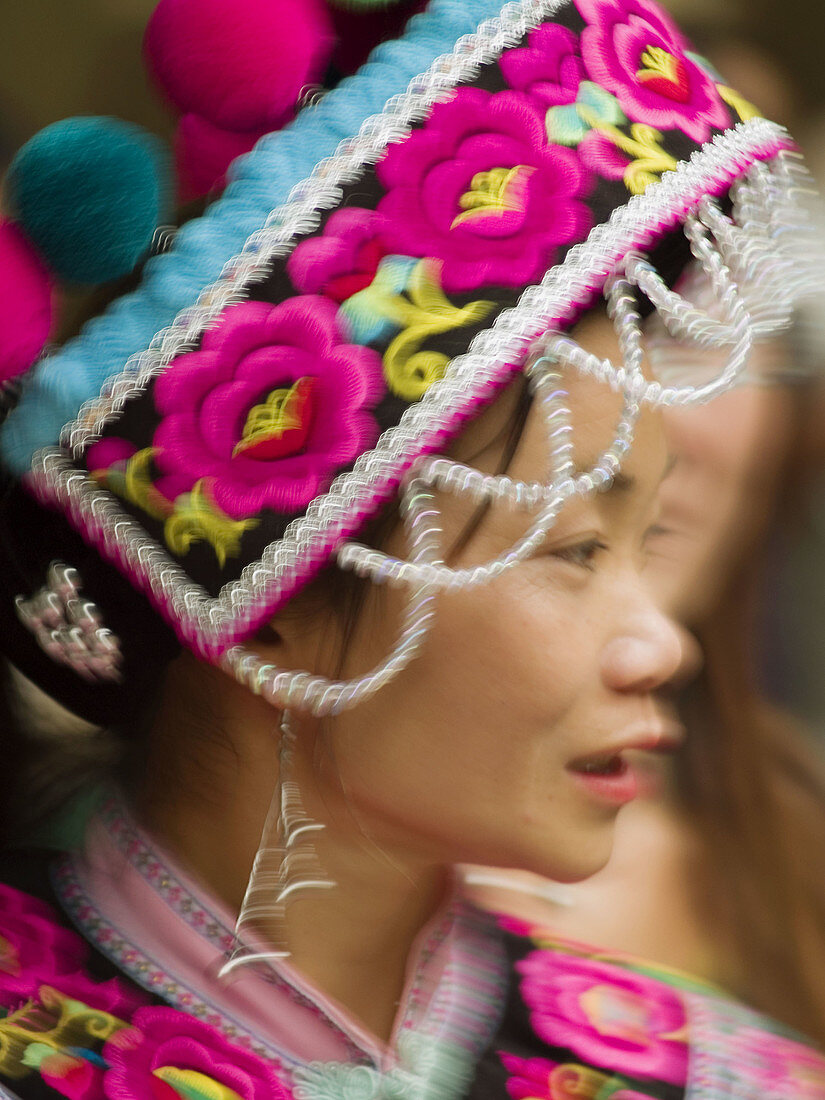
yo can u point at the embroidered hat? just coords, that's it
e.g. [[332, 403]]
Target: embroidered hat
[[373, 276]]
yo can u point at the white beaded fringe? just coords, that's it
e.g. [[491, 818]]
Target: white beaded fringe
[[755, 287]]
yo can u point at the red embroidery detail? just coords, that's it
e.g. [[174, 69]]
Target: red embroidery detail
[[665, 74], [280, 426], [366, 263]]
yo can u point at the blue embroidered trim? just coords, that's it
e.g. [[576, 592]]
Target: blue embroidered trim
[[261, 181]]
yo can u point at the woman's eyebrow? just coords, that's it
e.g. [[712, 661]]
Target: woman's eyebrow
[[624, 483]]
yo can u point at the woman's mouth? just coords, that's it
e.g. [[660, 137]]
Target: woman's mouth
[[609, 778]]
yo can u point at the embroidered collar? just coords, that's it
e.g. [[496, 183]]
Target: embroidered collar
[[142, 911]]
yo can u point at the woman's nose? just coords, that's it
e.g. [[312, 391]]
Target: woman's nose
[[651, 651]]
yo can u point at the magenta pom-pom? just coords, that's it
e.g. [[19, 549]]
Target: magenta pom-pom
[[240, 64], [25, 302], [203, 153]]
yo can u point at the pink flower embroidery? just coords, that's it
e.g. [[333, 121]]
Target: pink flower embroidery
[[268, 409], [108, 452], [33, 948], [479, 188], [541, 1079], [549, 68], [530, 1077], [634, 50], [165, 1047], [36, 952], [610, 1017], [601, 155], [516, 925], [343, 259]]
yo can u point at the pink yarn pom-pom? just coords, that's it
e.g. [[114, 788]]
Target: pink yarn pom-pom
[[25, 302], [203, 153], [240, 64]]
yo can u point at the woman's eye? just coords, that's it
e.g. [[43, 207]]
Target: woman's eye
[[654, 535], [656, 530], [581, 553]]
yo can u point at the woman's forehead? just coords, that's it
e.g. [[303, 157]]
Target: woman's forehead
[[594, 411]]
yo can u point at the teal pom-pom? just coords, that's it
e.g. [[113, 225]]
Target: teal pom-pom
[[89, 193]]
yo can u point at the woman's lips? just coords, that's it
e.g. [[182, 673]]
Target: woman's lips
[[610, 779], [613, 778]]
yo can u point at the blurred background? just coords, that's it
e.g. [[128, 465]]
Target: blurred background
[[59, 59]]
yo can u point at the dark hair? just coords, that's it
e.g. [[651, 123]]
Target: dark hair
[[49, 759], [754, 786]]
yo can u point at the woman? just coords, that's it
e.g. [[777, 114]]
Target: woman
[[476, 701]]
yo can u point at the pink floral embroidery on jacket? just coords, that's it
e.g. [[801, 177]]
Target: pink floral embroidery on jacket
[[70, 1074], [541, 1079], [268, 409], [479, 188], [168, 1048], [37, 953], [633, 49], [612, 1018]]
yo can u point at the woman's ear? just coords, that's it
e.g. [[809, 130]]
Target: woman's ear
[[268, 635], [274, 643], [301, 637]]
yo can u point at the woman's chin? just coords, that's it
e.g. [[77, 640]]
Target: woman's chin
[[583, 859], [578, 870]]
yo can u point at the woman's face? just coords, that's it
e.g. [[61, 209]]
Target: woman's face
[[727, 462], [500, 743], [721, 492]]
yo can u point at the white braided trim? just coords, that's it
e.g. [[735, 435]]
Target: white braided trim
[[209, 625]]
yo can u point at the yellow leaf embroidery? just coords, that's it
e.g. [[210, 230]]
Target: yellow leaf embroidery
[[659, 65], [284, 410], [573, 1082], [743, 107], [135, 484], [410, 372], [54, 1021], [196, 519], [643, 145], [493, 192], [189, 1084]]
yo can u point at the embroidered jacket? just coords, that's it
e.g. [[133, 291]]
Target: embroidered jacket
[[573, 1024]]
